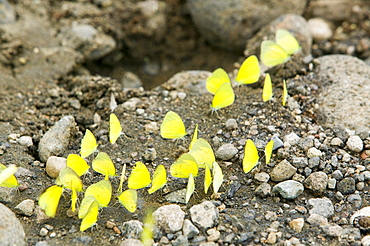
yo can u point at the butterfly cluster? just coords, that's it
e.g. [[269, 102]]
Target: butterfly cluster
[[7, 178]]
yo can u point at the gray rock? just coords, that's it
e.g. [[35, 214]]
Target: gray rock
[[56, 140], [229, 24], [213, 235], [313, 152], [7, 194], [180, 240], [355, 200], [329, 10], [314, 162], [54, 165], [170, 218], [317, 182], [263, 190], [231, 124], [192, 81], [320, 29], [42, 243], [131, 80], [289, 189], [336, 142], [132, 229], [355, 144], [282, 171], [317, 220], [189, 230], [177, 196], [131, 242], [337, 174], [277, 142], [347, 186], [204, 215], [7, 14], [300, 162], [11, 230], [291, 139], [25, 141], [345, 91], [321, 206], [262, 177], [26, 207], [333, 231], [332, 183], [226, 152]]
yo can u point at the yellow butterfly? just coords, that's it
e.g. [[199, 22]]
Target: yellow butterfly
[[190, 188], [140, 177], [78, 164], [249, 71], [285, 93], [115, 128], [172, 126], [268, 150], [217, 78], [202, 153], [159, 179], [88, 144], [267, 89], [184, 166], [7, 178], [122, 179], [69, 179], [207, 179], [104, 165], [85, 205], [49, 200], [218, 177], [90, 217], [102, 191], [194, 138], [273, 54], [146, 236], [251, 157], [128, 199], [224, 97]]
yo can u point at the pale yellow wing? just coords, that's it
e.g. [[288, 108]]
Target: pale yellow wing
[[78, 164], [128, 199], [172, 126], [140, 177], [287, 41], [285, 93], [91, 217], [102, 191], [207, 179], [146, 236], [122, 179], [218, 177], [216, 79], [115, 128], [251, 157], [49, 200], [184, 166], [224, 97], [159, 179], [267, 89], [69, 179], [85, 206], [194, 138], [249, 71], [272, 54], [268, 150], [7, 178], [190, 188], [104, 165], [203, 153], [88, 144]]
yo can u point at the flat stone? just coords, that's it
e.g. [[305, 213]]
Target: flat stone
[[321, 206], [170, 218], [26, 207], [282, 171], [289, 189], [11, 230], [204, 215], [226, 152], [189, 230]]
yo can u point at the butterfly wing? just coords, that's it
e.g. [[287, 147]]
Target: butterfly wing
[[69, 179], [91, 216], [128, 199], [285, 93], [272, 54], [159, 179], [251, 157], [217, 78], [88, 144], [102, 191], [85, 206], [194, 138], [78, 164], [172, 126], [207, 179], [115, 128], [267, 89], [184, 166], [249, 71], [287, 41], [49, 200], [190, 188], [140, 177], [7, 178], [268, 150], [122, 179], [104, 165], [203, 153], [224, 97], [218, 177]]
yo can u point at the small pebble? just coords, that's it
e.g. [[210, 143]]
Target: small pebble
[[262, 177], [54, 164], [321, 206], [291, 139], [204, 215], [355, 144], [297, 224], [25, 207], [231, 124], [226, 152], [282, 171], [317, 182], [317, 220], [43, 232], [25, 141], [347, 186], [181, 95], [313, 152], [289, 189]]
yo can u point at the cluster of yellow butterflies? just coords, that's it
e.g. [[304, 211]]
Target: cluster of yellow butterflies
[[7, 178]]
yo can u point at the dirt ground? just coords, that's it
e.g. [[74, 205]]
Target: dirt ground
[[33, 112]]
